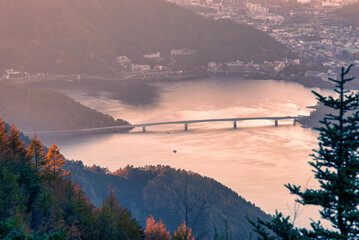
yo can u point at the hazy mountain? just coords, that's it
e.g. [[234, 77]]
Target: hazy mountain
[[38, 109], [167, 194], [87, 35]]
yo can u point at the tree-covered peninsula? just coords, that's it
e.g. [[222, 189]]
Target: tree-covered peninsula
[[38, 110]]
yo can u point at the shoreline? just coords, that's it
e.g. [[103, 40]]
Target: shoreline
[[308, 122], [306, 82]]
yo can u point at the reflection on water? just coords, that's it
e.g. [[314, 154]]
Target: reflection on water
[[255, 160], [134, 93]]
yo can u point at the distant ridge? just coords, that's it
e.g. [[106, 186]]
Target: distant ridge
[[75, 36]]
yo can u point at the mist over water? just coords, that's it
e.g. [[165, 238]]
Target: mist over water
[[255, 160]]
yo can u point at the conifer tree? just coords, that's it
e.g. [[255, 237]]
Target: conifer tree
[[114, 222], [35, 152], [107, 217], [3, 140], [183, 233], [54, 162], [336, 163], [336, 166], [16, 146]]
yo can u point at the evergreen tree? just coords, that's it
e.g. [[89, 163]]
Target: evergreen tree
[[107, 217], [8, 231], [114, 222], [12, 204], [336, 166], [183, 233], [3, 140], [35, 152], [54, 162], [336, 162], [16, 146]]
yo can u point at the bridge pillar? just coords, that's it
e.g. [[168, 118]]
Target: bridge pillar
[[294, 122], [143, 129], [235, 124], [185, 126], [276, 123]]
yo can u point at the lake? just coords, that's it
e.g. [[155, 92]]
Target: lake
[[255, 160]]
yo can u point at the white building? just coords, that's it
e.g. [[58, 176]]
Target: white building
[[303, 1], [182, 51], [10, 73], [140, 68], [331, 3], [256, 8], [152, 55]]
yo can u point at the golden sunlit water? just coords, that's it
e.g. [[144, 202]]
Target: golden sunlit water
[[255, 160]]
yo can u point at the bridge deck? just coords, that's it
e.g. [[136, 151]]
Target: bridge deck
[[215, 120], [126, 127]]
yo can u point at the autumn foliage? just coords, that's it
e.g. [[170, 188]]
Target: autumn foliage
[[183, 233], [39, 201], [156, 230]]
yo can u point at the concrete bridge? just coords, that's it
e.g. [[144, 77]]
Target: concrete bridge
[[185, 123], [234, 120]]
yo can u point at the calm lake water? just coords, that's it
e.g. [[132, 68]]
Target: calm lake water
[[255, 160]]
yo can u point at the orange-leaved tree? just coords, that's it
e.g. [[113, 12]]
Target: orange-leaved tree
[[54, 162], [183, 233], [35, 152], [156, 231]]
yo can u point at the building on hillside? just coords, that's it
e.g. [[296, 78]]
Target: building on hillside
[[152, 55], [124, 62], [140, 68], [212, 67], [256, 8], [10, 73], [182, 51], [278, 66], [304, 1], [268, 17], [331, 3]]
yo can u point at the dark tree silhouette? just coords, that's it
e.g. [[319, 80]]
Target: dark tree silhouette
[[336, 166]]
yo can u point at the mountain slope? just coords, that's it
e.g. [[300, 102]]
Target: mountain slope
[[87, 35], [38, 201], [39, 109], [173, 196]]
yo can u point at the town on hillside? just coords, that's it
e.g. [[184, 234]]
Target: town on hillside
[[307, 27]]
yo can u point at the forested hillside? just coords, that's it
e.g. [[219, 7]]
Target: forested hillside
[[173, 196], [75, 36], [37, 201], [36, 110]]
